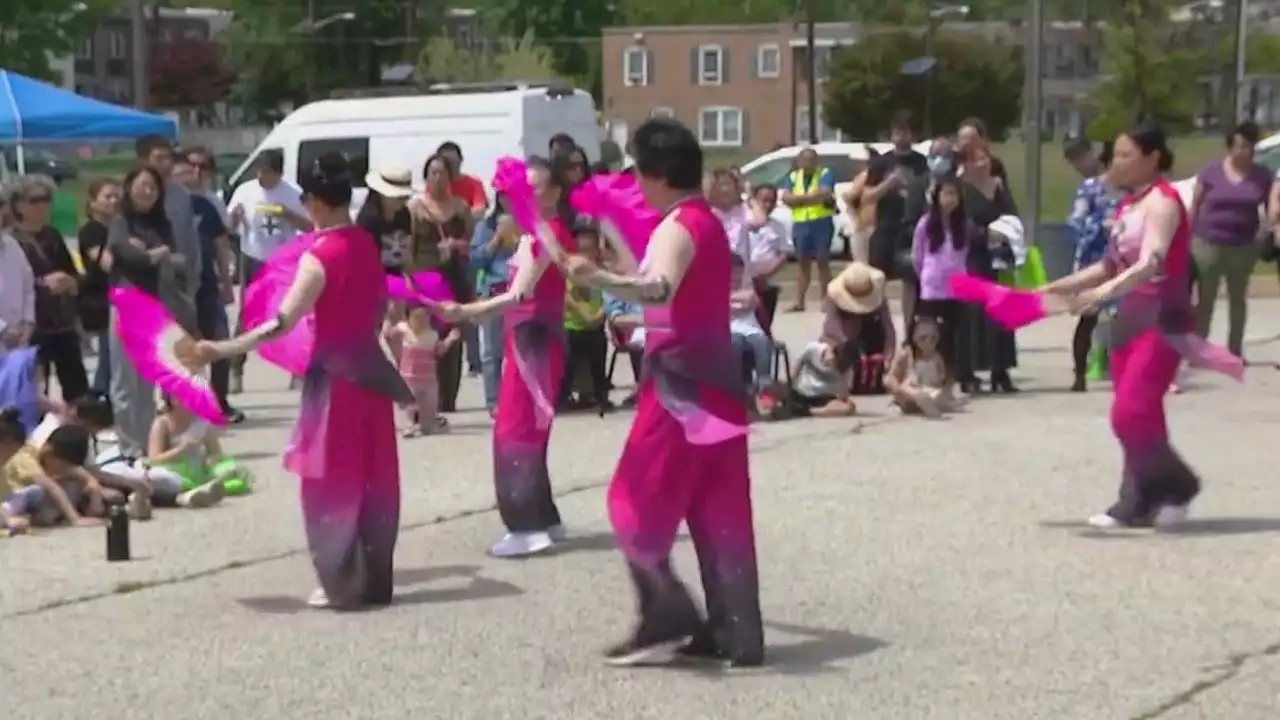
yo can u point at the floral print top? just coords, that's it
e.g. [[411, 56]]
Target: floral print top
[[1092, 213]]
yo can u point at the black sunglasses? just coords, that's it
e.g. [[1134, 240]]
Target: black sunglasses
[[38, 199]]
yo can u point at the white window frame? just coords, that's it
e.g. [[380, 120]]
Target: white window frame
[[705, 77], [640, 79], [825, 133], [761, 50], [84, 49], [116, 45], [662, 112], [719, 140]]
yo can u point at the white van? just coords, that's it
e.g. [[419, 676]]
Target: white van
[[405, 126]]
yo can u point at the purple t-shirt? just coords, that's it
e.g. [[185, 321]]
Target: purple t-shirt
[[1229, 210]]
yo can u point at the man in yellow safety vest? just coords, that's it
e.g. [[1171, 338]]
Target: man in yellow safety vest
[[810, 193]]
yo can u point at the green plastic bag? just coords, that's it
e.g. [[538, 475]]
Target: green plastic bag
[[65, 214], [1029, 276]]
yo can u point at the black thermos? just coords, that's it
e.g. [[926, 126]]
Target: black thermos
[[117, 534]]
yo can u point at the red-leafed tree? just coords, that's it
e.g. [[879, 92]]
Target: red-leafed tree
[[189, 73]]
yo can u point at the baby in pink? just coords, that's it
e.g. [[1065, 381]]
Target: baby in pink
[[420, 345]]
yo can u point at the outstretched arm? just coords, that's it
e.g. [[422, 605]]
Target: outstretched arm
[[1160, 225], [299, 301], [670, 253]]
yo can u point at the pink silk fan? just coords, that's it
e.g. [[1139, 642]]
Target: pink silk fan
[[154, 341], [428, 285], [615, 201], [512, 179], [1011, 309]]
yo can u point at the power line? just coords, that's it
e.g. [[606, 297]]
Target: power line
[[343, 39]]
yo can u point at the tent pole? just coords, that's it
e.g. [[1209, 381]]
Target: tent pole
[[17, 121]]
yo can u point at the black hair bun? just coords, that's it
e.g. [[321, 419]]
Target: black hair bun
[[10, 414], [329, 179]]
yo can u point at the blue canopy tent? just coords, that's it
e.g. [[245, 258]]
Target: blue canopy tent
[[32, 111]]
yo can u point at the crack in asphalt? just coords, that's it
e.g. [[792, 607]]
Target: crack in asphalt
[[1222, 673], [139, 586]]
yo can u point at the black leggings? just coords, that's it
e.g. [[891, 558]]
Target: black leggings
[[62, 352], [449, 378], [1082, 342], [590, 348]]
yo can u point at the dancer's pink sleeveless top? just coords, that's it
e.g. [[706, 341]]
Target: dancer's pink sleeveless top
[[688, 348], [1163, 301], [546, 303], [346, 425]]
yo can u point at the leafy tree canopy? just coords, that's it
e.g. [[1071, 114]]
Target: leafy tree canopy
[[973, 76], [33, 31]]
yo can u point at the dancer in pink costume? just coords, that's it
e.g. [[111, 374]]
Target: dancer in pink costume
[[1147, 269], [686, 456], [535, 347], [344, 445]]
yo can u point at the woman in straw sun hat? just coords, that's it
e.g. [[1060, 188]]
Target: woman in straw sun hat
[[856, 324], [858, 289], [385, 214]]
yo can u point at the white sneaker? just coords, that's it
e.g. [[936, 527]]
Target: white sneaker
[[207, 495], [319, 599], [558, 533], [1170, 517], [521, 544], [1103, 521]]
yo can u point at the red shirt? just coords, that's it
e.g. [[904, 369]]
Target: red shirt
[[471, 190]]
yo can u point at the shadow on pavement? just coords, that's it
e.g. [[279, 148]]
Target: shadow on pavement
[[820, 650], [596, 542], [473, 587], [1190, 528]]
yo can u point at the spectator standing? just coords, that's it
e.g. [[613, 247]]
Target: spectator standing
[[470, 190], [57, 281], [897, 184], [140, 241], [943, 242], [810, 195], [767, 250], [385, 214], [1093, 213], [206, 171], [215, 292], [95, 310], [972, 136], [268, 212], [17, 286], [1225, 211], [180, 277], [492, 245]]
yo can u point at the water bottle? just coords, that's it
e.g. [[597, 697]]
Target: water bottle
[[118, 534]]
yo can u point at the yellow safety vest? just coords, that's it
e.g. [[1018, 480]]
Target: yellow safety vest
[[809, 212]]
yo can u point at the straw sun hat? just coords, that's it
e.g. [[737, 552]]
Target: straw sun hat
[[858, 289], [391, 181]]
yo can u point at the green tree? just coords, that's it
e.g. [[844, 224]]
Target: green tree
[[1149, 65], [973, 75], [33, 31], [441, 60]]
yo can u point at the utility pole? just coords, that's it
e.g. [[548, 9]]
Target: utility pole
[[811, 90], [141, 54], [311, 66], [1241, 50], [1032, 138]]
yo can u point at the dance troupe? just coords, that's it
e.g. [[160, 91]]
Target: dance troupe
[[686, 457]]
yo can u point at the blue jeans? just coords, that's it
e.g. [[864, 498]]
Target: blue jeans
[[491, 352], [102, 373], [812, 239], [760, 347]]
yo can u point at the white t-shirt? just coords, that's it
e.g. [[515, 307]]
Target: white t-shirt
[[265, 226], [813, 379], [40, 435]]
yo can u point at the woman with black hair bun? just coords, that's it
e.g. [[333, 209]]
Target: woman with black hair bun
[[1145, 272], [533, 310], [344, 445]]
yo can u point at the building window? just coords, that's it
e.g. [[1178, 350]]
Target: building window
[[768, 61], [720, 126], [635, 67], [117, 45], [710, 65], [825, 134], [84, 49], [662, 112]]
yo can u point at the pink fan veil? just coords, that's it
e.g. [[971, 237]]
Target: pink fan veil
[[154, 342], [615, 201], [512, 179]]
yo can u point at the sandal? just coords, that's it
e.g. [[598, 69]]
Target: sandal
[[411, 432]]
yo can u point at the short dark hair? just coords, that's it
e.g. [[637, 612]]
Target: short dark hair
[[450, 146], [1247, 130], [561, 139], [762, 187], [148, 143], [69, 443], [272, 160], [665, 149]]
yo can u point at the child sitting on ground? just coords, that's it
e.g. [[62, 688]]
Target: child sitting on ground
[[749, 337], [420, 348], [34, 498], [919, 379], [821, 381], [182, 454]]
